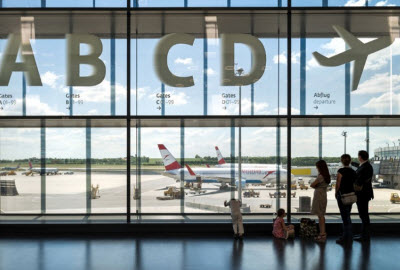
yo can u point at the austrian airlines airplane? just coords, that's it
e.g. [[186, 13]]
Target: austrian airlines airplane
[[223, 164], [250, 175], [46, 171]]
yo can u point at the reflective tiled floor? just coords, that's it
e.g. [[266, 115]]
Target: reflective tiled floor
[[196, 252]]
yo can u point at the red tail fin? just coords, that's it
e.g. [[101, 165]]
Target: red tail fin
[[191, 172], [221, 159], [170, 162]]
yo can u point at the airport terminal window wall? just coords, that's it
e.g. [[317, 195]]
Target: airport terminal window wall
[[146, 143]]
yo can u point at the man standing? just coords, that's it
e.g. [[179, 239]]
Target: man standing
[[363, 188]]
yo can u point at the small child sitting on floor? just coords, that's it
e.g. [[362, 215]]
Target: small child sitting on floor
[[280, 230]]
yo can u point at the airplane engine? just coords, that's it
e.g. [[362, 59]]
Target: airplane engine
[[243, 183]]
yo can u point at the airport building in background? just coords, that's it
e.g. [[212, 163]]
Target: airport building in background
[[116, 108]]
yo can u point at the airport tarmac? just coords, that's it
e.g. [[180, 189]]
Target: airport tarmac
[[67, 194]]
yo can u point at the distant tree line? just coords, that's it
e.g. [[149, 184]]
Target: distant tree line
[[296, 161]]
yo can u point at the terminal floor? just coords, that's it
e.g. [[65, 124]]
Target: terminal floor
[[193, 252]]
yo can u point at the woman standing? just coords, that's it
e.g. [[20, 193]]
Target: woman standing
[[345, 185], [319, 201]]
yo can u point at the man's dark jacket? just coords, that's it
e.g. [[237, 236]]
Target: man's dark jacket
[[364, 178]]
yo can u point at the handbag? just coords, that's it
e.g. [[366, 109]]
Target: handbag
[[348, 198], [308, 228]]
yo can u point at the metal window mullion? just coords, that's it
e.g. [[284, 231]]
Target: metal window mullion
[[302, 67], [205, 72], [289, 110], [232, 158], [320, 140], [162, 84], [71, 89], [112, 60], [88, 166], [182, 185], [43, 166], [23, 94], [252, 85], [278, 161], [128, 111], [367, 136], [139, 167]]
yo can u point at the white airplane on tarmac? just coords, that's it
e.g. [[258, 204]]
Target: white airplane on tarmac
[[250, 175], [41, 171], [223, 164]]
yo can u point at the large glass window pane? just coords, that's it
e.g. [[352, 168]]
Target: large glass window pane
[[384, 150], [155, 185], [160, 87], [20, 192], [21, 3], [349, 86], [94, 84], [65, 193], [86, 3], [264, 169], [108, 170]]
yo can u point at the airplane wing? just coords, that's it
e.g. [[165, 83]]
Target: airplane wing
[[358, 68], [349, 38]]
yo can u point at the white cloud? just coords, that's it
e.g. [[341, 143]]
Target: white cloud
[[335, 45], [102, 92], [383, 3], [312, 63], [50, 79], [282, 58], [381, 58], [93, 112], [283, 110], [210, 72], [378, 83], [141, 92], [33, 107], [184, 61], [355, 3], [382, 102]]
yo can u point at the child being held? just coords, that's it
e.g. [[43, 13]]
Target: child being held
[[280, 230]]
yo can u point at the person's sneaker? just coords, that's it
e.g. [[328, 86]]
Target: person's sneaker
[[236, 236], [241, 237]]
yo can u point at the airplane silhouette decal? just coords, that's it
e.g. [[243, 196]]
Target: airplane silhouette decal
[[358, 53]]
